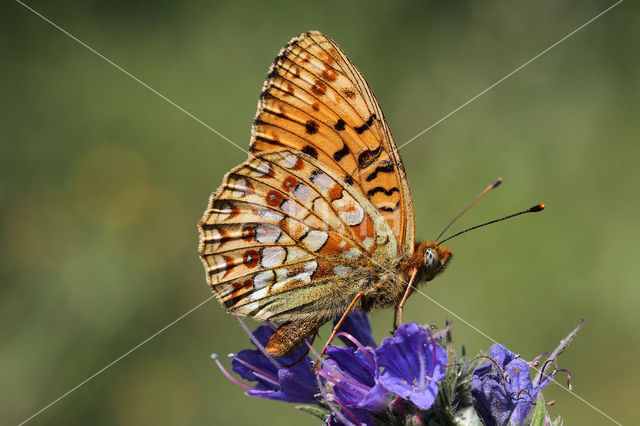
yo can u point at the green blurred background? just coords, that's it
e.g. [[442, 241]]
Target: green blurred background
[[102, 183]]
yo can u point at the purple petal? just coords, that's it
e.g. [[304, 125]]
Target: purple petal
[[519, 380], [376, 400], [483, 369], [410, 369], [500, 400], [294, 384], [257, 360], [354, 362], [490, 399], [520, 388], [354, 373], [262, 334], [298, 383], [501, 355]]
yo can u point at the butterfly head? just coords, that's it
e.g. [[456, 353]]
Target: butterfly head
[[434, 259]]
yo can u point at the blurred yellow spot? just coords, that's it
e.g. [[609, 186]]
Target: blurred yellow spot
[[111, 187]]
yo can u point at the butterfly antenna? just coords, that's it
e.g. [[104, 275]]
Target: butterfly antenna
[[534, 209], [495, 183]]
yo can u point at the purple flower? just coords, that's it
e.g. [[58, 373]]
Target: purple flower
[[506, 395], [502, 389], [397, 382], [354, 376], [412, 363], [274, 380]]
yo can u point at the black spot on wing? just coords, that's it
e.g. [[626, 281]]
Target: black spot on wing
[[339, 124], [311, 151], [311, 127], [339, 155], [365, 126], [387, 167], [374, 191], [389, 209], [368, 157]]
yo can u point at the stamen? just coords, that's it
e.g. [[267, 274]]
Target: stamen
[[346, 410], [265, 375], [339, 378], [270, 324], [319, 360], [517, 396], [350, 390], [358, 344], [315, 353], [553, 362], [441, 333], [329, 399], [492, 361], [535, 360], [255, 342], [541, 379], [433, 354], [228, 375]]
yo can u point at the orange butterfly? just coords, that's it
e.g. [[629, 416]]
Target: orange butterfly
[[319, 219]]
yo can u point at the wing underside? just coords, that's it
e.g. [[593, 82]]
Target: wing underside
[[284, 239]]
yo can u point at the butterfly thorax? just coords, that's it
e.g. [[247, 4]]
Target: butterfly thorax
[[427, 261]]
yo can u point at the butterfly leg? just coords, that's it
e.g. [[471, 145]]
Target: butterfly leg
[[337, 327], [397, 320]]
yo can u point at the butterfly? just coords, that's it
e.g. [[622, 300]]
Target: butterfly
[[319, 220]]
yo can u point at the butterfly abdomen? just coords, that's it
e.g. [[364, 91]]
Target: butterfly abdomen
[[289, 337]]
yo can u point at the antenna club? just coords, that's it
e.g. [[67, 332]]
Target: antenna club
[[496, 182], [536, 208]]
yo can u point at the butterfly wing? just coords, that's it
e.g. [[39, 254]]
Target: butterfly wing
[[284, 238], [316, 101]]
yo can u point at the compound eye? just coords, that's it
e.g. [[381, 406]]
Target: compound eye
[[431, 261]]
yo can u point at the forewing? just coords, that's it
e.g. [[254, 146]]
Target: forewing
[[283, 235], [316, 101]]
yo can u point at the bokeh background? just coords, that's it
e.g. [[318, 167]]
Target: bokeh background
[[102, 183]]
